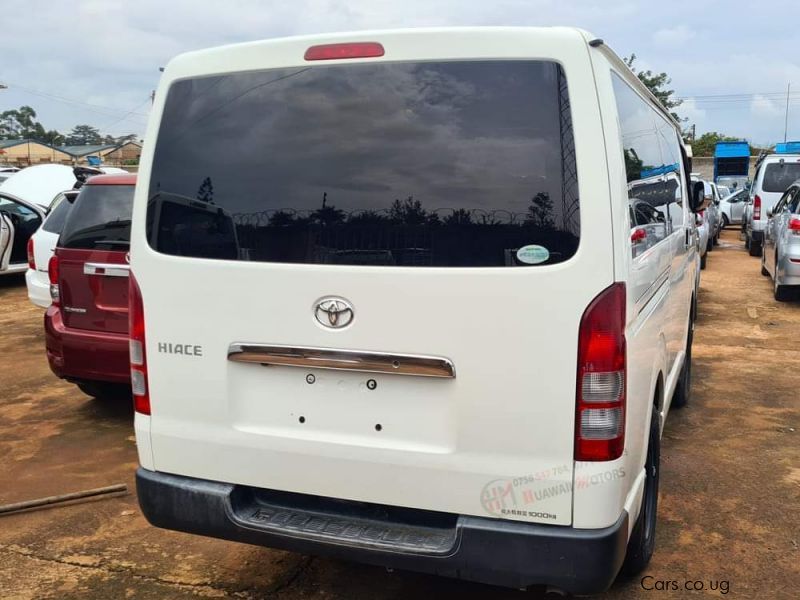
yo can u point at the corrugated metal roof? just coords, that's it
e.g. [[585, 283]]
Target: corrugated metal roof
[[84, 150]]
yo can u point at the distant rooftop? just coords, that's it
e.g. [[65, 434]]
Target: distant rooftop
[[85, 149]]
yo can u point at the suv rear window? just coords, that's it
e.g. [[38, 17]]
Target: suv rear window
[[449, 164], [779, 176], [100, 218]]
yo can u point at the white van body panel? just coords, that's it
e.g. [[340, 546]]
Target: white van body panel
[[472, 445], [454, 439], [768, 199]]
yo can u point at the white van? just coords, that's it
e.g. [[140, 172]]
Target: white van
[[407, 312], [774, 174]]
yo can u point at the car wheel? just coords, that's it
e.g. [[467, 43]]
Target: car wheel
[[725, 221], [104, 390], [703, 261], [764, 271], [643, 538], [710, 244], [683, 389], [755, 248], [781, 292]]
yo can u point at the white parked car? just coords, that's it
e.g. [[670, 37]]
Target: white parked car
[[41, 247], [24, 200], [731, 207], [339, 369]]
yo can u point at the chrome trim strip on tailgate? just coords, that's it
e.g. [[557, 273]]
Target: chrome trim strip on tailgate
[[345, 360], [110, 270]]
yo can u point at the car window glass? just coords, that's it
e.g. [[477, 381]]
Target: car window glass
[[417, 164], [779, 206], [57, 216], [780, 175], [795, 201], [653, 181]]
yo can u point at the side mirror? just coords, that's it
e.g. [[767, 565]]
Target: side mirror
[[698, 200]]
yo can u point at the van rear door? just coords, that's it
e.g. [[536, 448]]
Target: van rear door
[[93, 264], [364, 278]]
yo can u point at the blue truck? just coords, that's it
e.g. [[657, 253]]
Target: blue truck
[[731, 164]]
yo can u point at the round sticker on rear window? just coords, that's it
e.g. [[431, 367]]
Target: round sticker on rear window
[[533, 255]]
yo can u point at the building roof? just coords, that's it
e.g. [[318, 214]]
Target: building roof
[[85, 150], [12, 143]]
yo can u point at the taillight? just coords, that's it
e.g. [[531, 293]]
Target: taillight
[[757, 207], [138, 356], [31, 257], [52, 274], [347, 50], [638, 236], [794, 226], [601, 384]]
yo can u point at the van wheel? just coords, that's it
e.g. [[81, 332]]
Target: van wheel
[[710, 244], [781, 292], [643, 538], [764, 271], [103, 390], [680, 397], [703, 261], [755, 248]]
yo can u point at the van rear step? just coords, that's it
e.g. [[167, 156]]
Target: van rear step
[[342, 522], [486, 550]]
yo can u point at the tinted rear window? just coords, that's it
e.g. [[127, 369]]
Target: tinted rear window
[[100, 218], [779, 176], [57, 217], [407, 164]]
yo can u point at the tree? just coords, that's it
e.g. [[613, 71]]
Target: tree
[[656, 83], [540, 212], [704, 145], [206, 191], [83, 134], [20, 124]]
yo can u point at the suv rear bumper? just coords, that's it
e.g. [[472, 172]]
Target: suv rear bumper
[[499, 552], [85, 355]]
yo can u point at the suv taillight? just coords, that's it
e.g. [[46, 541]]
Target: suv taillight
[[138, 356], [52, 274], [757, 207], [31, 257], [601, 384], [794, 226]]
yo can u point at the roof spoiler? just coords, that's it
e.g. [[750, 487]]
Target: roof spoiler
[[82, 174]]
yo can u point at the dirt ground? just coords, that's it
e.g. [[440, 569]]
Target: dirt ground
[[730, 485]]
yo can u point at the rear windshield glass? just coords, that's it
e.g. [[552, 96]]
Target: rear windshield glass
[[779, 176], [57, 217], [452, 164], [100, 218]]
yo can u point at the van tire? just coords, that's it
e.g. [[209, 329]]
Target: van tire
[[683, 389], [104, 390], [755, 248], [643, 537]]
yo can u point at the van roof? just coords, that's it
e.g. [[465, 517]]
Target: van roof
[[113, 179], [429, 41]]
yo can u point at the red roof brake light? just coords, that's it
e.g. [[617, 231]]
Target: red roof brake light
[[347, 50]]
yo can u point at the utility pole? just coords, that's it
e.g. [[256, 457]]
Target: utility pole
[[786, 119]]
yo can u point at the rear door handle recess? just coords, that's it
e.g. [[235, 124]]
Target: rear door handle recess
[[343, 360]]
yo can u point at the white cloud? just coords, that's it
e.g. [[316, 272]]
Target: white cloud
[[673, 36]]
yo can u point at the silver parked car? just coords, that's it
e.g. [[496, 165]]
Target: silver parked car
[[780, 258]]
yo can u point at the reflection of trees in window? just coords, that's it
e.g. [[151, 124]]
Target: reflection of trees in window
[[633, 165], [540, 212], [410, 212], [206, 191]]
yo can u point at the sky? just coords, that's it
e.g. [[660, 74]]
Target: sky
[[97, 61]]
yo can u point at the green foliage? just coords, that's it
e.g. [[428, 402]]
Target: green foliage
[[20, 124], [83, 134], [704, 145], [657, 83]]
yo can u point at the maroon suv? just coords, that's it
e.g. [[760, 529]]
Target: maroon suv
[[86, 327]]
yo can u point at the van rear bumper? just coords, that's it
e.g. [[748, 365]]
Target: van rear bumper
[[493, 551]]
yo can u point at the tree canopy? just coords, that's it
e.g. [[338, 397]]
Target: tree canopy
[[657, 83]]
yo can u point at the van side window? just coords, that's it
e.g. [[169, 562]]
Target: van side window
[[793, 205], [653, 181]]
